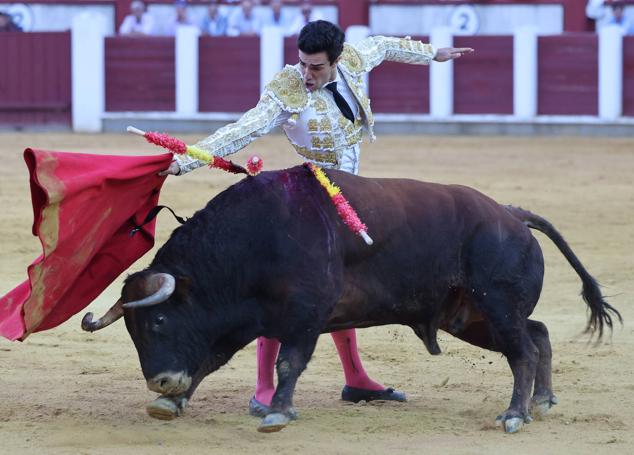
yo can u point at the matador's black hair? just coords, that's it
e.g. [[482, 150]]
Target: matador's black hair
[[321, 36]]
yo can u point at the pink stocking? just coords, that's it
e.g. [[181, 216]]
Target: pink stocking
[[346, 343], [266, 353]]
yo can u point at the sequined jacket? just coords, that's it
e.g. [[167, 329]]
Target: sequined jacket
[[311, 120]]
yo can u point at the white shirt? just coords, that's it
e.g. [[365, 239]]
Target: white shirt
[[170, 28], [268, 20], [602, 14], [239, 24], [298, 23], [595, 9], [350, 157], [131, 25], [625, 25]]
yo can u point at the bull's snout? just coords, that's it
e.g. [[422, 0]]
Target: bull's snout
[[169, 383]]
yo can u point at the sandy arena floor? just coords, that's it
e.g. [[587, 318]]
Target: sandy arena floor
[[69, 392]]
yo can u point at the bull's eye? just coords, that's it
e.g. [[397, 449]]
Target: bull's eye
[[160, 320]]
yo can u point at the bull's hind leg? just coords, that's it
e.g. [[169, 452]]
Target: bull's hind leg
[[543, 397], [522, 356], [511, 337], [507, 333], [291, 362]]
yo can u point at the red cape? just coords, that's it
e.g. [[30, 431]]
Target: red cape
[[84, 207]]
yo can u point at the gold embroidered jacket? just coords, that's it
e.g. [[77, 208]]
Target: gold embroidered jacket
[[311, 120]]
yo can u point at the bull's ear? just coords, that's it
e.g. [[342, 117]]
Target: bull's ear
[[183, 286]]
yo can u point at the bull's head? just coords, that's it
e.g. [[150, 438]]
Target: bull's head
[[170, 333]]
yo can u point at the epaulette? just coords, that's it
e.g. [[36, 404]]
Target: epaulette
[[351, 58], [288, 90]]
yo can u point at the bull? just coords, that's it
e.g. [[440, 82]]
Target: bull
[[270, 257]]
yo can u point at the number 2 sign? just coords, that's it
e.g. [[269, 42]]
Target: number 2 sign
[[464, 20]]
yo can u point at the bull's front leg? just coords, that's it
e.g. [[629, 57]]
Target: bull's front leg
[[168, 407], [293, 358]]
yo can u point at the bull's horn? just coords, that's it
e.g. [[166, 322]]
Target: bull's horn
[[114, 313], [168, 284]]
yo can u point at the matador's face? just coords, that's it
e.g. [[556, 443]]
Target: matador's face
[[317, 70]]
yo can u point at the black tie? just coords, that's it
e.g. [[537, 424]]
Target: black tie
[[343, 106]]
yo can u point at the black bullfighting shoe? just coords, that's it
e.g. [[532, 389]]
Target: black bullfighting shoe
[[355, 395]]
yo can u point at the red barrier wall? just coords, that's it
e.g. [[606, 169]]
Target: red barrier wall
[[35, 79], [290, 50], [628, 75], [400, 88], [140, 74], [568, 75], [229, 74], [483, 81]]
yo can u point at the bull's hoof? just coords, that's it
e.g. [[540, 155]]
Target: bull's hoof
[[541, 405], [166, 408], [259, 409], [273, 422], [512, 424]]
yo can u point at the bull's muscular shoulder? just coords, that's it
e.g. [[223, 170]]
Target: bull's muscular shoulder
[[288, 90], [352, 59]]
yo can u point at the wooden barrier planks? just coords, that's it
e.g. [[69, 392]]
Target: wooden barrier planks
[[568, 74], [229, 73], [399, 87], [290, 50], [35, 78], [140, 74], [483, 81]]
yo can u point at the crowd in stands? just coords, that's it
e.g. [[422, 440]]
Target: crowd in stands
[[249, 17], [243, 20]]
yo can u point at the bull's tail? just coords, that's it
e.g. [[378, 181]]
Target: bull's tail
[[601, 312]]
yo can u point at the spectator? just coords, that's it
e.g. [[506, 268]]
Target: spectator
[[596, 10], [180, 17], [215, 23], [7, 24], [138, 22], [275, 17], [306, 15], [618, 18], [603, 13], [244, 21]]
